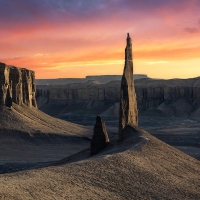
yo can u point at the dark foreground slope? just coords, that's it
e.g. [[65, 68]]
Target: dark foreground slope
[[30, 138], [148, 169], [32, 120]]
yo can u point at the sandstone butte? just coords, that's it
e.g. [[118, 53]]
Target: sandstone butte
[[128, 112], [17, 85]]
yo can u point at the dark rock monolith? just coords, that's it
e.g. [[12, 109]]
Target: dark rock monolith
[[100, 137], [128, 112]]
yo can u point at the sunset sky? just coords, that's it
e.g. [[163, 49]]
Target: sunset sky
[[75, 38]]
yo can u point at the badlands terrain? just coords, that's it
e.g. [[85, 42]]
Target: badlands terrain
[[53, 161], [168, 109], [82, 102], [30, 138]]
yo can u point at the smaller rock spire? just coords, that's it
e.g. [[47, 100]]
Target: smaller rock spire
[[100, 137]]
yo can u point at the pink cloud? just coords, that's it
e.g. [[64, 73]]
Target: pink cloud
[[192, 30]]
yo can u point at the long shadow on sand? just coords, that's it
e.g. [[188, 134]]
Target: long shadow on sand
[[24, 151], [134, 140]]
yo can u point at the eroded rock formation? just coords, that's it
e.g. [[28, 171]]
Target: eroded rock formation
[[83, 102], [17, 85], [128, 113], [100, 137]]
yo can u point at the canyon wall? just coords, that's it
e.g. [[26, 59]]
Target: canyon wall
[[175, 97], [17, 85]]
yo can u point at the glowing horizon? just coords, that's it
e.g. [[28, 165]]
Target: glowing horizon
[[61, 39]]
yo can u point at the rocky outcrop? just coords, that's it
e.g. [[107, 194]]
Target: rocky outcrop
[[100, 137], [81, 103], [17, 85], [128, 113]]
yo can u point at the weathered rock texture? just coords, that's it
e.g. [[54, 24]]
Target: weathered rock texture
[[17, 85], [100, 138], [81, 103], [128, 113]]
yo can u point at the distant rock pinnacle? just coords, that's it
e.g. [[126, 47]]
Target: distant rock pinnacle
[[128, 113]]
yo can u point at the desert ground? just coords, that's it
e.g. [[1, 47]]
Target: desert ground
[[181, 133], [30, 138], [47, 158]]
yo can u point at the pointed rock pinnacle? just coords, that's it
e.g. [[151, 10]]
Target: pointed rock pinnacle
[[128, 113]]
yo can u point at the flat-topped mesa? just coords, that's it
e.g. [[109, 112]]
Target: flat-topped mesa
[[128, 112], [17, 85]]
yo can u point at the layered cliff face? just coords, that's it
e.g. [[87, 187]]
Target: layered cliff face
[[175, 97], [17, 85]]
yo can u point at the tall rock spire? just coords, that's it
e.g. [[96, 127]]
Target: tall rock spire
[[128, 113]]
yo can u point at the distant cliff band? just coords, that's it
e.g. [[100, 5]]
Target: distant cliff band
[[101, 79]]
